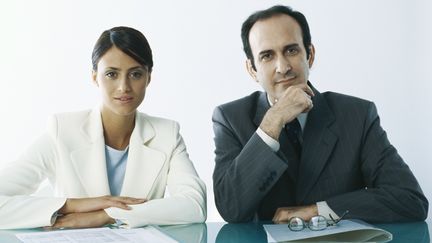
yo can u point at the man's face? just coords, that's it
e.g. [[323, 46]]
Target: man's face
[[279, 54]]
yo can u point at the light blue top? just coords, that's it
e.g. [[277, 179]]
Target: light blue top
[[116, 167]]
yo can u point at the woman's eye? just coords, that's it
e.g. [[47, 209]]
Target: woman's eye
[[135, 75], [111, 75]]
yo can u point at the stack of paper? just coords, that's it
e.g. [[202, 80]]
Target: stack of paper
[[345, 230], [147, 234]]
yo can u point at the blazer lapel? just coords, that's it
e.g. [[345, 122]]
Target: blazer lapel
[[144, 163], [318, 143], [262, 106], [89, 161]]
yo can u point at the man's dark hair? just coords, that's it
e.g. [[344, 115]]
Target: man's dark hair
[[129, 40], [270, 12]]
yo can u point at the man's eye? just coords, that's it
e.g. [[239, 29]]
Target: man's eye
[[111, 75], [266, 57], [135, 75], [292, 51]]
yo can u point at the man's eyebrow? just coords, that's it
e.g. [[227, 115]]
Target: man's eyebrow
[[265, 52], [291, 46], [284, 49]]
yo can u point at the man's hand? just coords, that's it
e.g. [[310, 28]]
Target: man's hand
[[91, 204], [295, 100], [82, 220], [282, 215]]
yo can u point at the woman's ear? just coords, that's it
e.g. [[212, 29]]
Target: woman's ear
[[94, 77]]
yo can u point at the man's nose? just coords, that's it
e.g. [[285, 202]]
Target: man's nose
[[283, 65]]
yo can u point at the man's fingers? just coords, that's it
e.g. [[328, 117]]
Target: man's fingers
[[308, 107], [282, 215], [278, 215], [308, 90], [279, 218], [275, 217]]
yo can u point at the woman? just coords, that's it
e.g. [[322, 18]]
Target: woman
[[113, 150]]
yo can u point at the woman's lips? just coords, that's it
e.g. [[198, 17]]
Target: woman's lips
[[124, 99]]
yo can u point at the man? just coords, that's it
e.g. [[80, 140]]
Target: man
[[293, 151]]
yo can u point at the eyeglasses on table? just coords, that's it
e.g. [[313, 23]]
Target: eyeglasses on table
[[318, 222]]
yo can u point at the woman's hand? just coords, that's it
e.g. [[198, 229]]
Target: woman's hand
[[91, 204], [82, 220]]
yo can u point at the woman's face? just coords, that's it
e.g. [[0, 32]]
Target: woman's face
[[122, 81]]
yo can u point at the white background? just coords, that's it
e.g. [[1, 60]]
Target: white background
[[377, 50]]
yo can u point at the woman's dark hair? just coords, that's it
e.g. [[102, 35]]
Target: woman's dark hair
[[129, 40], [270, 12]]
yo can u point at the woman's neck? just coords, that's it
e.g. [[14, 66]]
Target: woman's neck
[[117, 129]]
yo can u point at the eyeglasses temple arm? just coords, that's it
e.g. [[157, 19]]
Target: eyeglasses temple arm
[[340, 218]]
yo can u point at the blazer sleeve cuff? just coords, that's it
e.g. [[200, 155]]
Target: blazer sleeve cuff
[[123, 221], [29, 212], [272, 143]]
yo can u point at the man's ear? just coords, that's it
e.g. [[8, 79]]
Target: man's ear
[[311, 55], [252, 72], [94, 77]]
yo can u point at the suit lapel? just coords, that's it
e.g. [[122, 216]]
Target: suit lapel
[[89, 160], [144, 163], [318, 143], [262, 106]]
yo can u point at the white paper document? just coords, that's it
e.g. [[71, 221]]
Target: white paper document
[[148, 234], [345, 230]]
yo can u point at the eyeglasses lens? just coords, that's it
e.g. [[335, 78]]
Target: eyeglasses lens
[[318, 223], [296, 224]]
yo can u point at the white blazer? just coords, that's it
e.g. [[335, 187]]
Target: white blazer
[[72, 156]]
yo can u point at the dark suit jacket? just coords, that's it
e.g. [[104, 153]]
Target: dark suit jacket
[[346, 161]]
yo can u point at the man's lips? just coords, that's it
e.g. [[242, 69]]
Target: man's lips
[[286, 79]]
